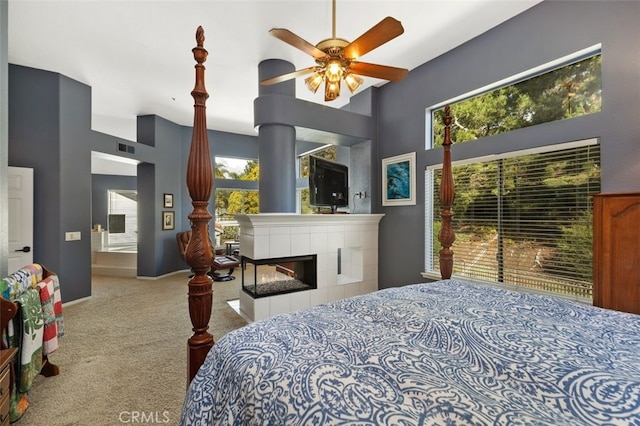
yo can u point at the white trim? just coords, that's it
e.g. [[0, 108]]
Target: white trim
[[511, 154], [429, 212]]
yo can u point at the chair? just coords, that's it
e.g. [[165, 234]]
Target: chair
[[8, 310], [220, 261]]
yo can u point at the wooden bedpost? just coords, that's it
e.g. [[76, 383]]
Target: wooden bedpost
[[446, 235], [199, 251]]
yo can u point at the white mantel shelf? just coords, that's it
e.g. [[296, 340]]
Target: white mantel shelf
[[293, 219], [348, 239]]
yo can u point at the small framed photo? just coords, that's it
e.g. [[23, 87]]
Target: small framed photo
[[399, 180], [168, 220], [168, 201]]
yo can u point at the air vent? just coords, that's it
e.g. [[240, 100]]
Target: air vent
[[126, 148]]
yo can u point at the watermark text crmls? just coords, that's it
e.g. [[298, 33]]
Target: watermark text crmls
[[144, 417]]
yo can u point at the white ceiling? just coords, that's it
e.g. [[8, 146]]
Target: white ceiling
[[136, 55]]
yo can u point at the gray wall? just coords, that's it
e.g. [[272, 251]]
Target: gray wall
[[157, 248], [544, 33], [48, 130], [360, 165]]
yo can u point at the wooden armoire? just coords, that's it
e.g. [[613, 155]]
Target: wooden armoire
[[616, 251]]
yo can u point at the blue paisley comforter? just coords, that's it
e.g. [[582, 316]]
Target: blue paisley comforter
[[445, 353]]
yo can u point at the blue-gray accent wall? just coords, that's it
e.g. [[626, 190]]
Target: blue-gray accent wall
[[49, 130], [546, 32]]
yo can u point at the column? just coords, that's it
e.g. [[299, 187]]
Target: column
[[277, 146]]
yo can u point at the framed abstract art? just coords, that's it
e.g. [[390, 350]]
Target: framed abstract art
[[399, 180]]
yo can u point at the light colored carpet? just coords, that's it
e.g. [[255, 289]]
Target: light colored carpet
[[123, 358]]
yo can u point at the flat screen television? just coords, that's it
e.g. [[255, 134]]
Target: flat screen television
[[328, 183]]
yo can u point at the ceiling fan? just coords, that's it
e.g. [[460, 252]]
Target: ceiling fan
[[337, 59]]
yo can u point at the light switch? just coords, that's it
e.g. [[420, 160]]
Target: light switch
[[72, 236]]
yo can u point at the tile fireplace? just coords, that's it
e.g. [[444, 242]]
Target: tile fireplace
[[345, 248]]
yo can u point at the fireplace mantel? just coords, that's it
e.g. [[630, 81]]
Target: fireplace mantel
[[293, 219], [346, 246]]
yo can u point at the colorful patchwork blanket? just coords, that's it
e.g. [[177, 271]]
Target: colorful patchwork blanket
[[31, 323], [29, 331], [34, 330], [52, 313], [15, 284]]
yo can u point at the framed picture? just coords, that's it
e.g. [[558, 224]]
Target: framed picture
[[168, 201], [399, 180], [168, 220]]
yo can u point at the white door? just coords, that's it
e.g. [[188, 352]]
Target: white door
[[20, 217]]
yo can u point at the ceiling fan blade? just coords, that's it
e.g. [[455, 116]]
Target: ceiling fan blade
[[378, 71], [297, 42], [289, 76], [385, 30]]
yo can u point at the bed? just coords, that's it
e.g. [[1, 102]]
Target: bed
[[436, 353], [445, 352]]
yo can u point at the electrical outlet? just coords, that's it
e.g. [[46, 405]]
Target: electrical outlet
[[361, 194], [72, 236]]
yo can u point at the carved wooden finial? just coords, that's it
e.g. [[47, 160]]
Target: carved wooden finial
[[447, 193], [199, 251], [199, 52], [200, 36]]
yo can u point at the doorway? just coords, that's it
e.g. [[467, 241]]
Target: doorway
[[20, 188], [114, 215]]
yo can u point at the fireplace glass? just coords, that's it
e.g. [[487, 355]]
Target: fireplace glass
[[268, 277]]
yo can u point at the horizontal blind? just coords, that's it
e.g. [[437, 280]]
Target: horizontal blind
[[526, 220]]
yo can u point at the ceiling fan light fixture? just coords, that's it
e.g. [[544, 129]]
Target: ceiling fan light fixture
[[314, 81], [352, 81], [336, 58], [334, 71], [331, 89]]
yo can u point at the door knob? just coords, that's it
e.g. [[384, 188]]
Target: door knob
[[25, 249]]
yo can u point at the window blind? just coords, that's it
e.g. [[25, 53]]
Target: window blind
[[524, 220]]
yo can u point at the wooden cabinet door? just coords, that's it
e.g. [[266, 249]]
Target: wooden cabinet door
[[616, 251]]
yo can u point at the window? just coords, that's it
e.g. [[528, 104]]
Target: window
[[569, 91], [236, 168], [523, 218], [234, 200], [122, 218]]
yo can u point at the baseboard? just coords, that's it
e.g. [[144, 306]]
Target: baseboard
[[73, 302], [114, 271], [181, 271]]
